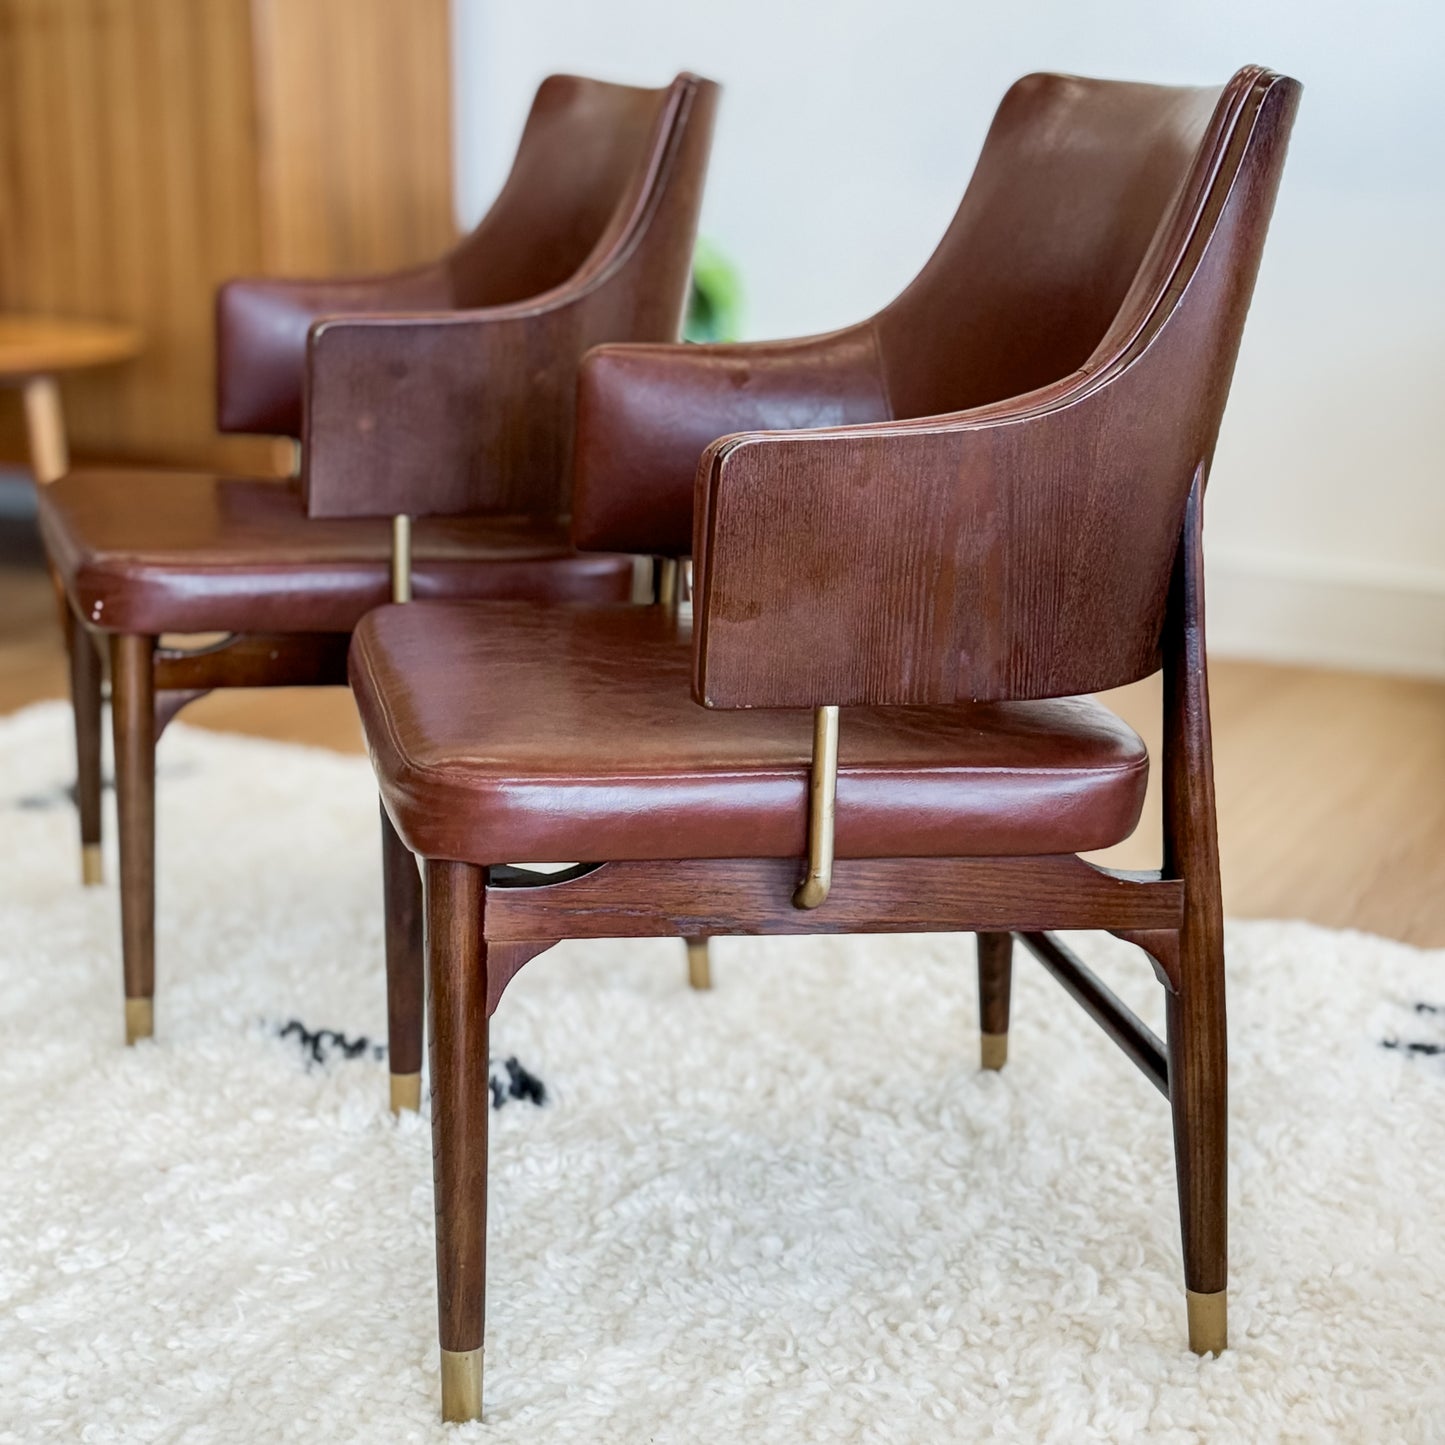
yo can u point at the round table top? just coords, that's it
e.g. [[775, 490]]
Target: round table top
[[35, 345]]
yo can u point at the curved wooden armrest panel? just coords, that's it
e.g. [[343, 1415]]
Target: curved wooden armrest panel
[[1018, 550], [908, 565], [645, 414], [261, 331], [439, 414]]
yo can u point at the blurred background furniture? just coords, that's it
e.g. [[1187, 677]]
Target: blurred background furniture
[[150, 149], [455, 388], [34, 352]]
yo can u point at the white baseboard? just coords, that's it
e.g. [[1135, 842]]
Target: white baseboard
[[1283, 609]]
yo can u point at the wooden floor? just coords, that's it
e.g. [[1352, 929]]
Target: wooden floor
[[1331, 785]]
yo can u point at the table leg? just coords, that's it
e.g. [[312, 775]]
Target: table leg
[[45, 425]]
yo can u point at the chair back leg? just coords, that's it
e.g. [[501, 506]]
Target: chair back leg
[[405, 967], [85, 700], [995, 974]]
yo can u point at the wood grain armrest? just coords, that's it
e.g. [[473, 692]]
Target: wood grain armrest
[[439, 414], [1022, 550]]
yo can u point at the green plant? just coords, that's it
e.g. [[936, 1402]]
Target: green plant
[[714, 309]]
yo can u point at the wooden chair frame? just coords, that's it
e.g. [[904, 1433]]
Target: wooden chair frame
[[967, 521], [482, 925]]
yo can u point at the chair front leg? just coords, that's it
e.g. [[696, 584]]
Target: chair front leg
[[133, 718], [995, 975], [86, 676], [405, 967], [456, 956], [1199, 1100]]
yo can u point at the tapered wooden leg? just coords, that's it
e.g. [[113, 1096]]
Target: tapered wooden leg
[[85, 701], [405, 967], [995, 974], [699, 969], [133, 720], [461, 1102], [1199, 1100]]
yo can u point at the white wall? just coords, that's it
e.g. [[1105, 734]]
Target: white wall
[[846, 136]]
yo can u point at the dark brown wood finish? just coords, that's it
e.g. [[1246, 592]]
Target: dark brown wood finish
[[1138, 1042], [405, 973], [691, 897], [86, 688], [995, 977], [133, 712], [256, 659], [460, 1093], [1198, 1051]]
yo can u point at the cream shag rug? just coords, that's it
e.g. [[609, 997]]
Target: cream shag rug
[[790, 1210]]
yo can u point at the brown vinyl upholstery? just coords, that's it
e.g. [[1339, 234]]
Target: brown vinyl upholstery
[[187, 552], [569, 732]]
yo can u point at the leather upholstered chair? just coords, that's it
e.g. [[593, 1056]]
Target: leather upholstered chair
[[919, 544], [460, 375]]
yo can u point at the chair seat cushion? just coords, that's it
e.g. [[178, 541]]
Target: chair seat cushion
[[511, 733], [156, 552]]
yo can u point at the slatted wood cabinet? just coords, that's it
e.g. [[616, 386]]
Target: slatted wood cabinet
[[149, 149]]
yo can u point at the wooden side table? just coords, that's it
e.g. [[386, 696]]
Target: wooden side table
[[34, 351]]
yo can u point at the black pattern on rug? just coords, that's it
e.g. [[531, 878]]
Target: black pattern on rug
[[1428, 1048], [507, 1078]]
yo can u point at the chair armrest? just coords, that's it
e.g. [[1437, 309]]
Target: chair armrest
[[461, 411], [1021, 550], [261, 330], [645, 414]]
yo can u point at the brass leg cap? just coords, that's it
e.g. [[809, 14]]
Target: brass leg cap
[[140, 1019], [992, 1050], [405, 1093], [699, 970], [92, 870], [461, 1385], [1208, 1322]]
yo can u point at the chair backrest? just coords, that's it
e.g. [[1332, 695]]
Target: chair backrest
[[1075, 180], [1023, 547], [580, 172]]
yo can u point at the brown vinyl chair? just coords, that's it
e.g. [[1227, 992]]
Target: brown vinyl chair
[[460, 375], [951, 523]]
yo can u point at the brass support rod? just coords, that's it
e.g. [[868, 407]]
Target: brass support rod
[[667, 581], [822, 805], [401, 558], [699, 971]]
